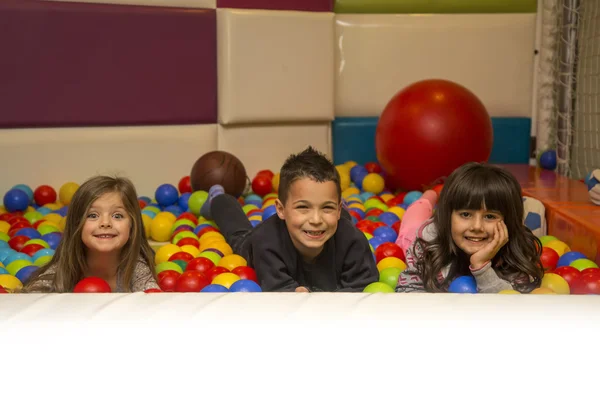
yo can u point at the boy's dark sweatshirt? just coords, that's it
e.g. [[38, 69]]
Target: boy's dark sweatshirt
[[346, 263]]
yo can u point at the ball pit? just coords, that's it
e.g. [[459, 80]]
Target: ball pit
[[192, 255]]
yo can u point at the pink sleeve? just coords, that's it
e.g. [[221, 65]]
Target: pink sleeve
[[416, 214]]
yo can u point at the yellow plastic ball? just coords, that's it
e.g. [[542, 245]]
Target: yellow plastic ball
[[509, 291], [165, 252], [345, 181], [169, 216], [147, 221], [275, 182], [559, 246], [192, 250], [220, 245], [10, 282], [556, 283], [210, 236], [225, 279], [398, 211], [350, 164], [391, 262], [386, 197], [232, 261], [160, 228], [4, 226], [542, 290], [66, 192], [349, 192], [373, 183]]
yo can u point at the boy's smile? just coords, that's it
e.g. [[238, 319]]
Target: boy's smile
[[311, 213]]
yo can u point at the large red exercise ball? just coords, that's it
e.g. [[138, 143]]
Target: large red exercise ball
[[429, 129]]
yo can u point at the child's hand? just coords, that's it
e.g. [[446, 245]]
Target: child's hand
[[301, 289], [487, 252]]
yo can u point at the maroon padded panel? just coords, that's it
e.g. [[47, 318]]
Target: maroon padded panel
[[75, 64], [297, 5]]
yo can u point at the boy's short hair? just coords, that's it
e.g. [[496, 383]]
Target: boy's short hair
[[309, 163]]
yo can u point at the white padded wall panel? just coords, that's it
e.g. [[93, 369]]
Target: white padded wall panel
[[490, 54], [267, 146], [149, 156], [275, 66], [158, 3]]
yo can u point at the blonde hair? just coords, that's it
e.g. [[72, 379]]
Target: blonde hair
[[69, 261]]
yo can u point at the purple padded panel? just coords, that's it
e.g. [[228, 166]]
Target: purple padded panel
[[75, 64], [296, 5]]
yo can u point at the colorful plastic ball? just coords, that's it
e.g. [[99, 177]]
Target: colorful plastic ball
[[246, 273], [174, 209], [390, 262], [184, 200], [549, 259], [556, 283], [25, 273], [10, 282], [15, 266], [390, 276], [412, 196], [587, 284], [196, 201], [225, 279], [44, 194], [559, 246], [583, 264], [16, 256], [164, 252], [389, 218], [214, 288], [386, 234], [592, 179], [389, 250], [358, 173], [184, 185], [245, 285], [53, 239], [26, 189], [191, 281], [166, 195], [547, 239], [463, 284], [568, 257], [262, 184], [548, 160], [31, 233], [255, 222], [66, 192], [373, 183], [16, 200], [376, 241], [232, 261], [378, 287], [92, 285]]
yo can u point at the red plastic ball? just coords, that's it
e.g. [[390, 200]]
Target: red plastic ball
[[549, 259], [44, 194], [184, 185], [213, 272], [437, 122], [201, 264], [373, 168], [189, 216], [191, 281], [389, 250], [587, 284], [181, 255], [246, 273], [262, 185], [190, 241], [92, 284], [18, 242], [167, 280], [266, 172], [569, 274], [31, 249], [396, 226]]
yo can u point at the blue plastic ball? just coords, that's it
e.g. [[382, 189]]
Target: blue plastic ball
[[16, 200], [25, 273], [245, 285], [386, 234], [53, 239], [166, 195], [214, 288], [5, 253], [184, 200], [174, 209], [255, 222], [548, 160], [569, 257], [149, 213], [3, 271], [44, 210], [269, 211], [17, 256], [4, 245], [463, 284], [412, 196], [376, 241], [27, 190], [31, 233], [145, 199], [41, 253], [388, 218], [62, 211], [357, 174], [358, 211]]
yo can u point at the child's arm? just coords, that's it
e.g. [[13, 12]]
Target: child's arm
[[417, 213], [359, 268], [488, 280], [272, 273], [142, 278], [410, 280]]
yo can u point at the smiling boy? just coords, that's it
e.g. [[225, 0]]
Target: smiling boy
[[311, 244]]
